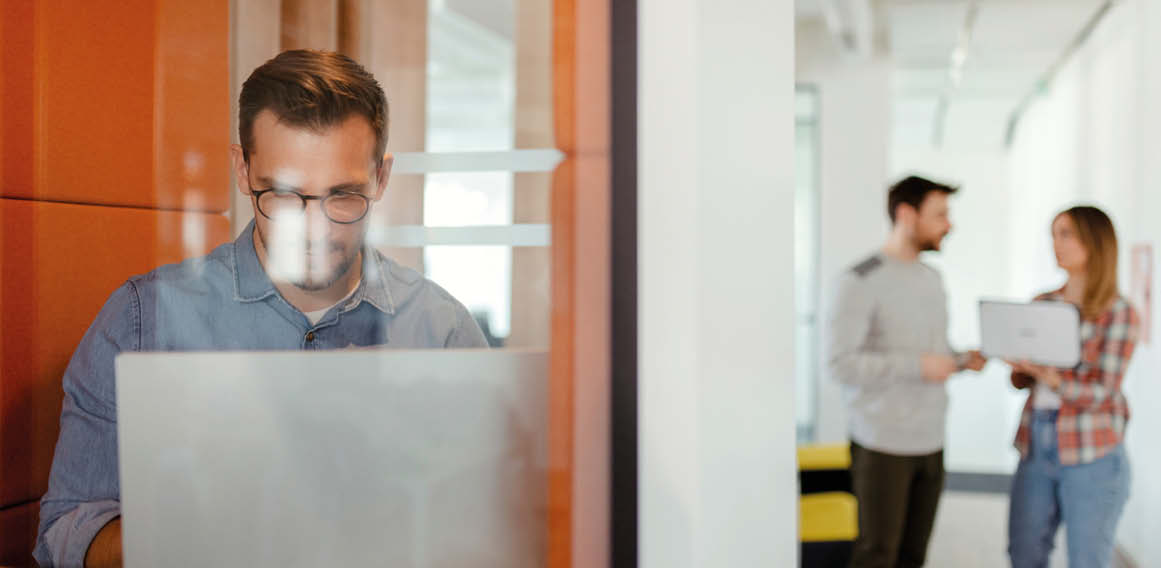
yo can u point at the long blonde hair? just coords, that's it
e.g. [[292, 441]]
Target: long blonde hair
[[1099, 238]]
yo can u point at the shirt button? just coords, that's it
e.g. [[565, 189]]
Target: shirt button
[[310, 336]]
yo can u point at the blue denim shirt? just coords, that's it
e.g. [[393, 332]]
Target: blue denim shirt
[[223, 301]]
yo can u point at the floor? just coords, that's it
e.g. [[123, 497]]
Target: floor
[[971, 532]]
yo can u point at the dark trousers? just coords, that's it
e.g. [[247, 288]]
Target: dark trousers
[[898, 498]]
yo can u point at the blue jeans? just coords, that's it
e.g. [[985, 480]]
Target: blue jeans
[[1088, 498]]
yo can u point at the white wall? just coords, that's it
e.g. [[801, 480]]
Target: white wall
[[1095, 137], [718, 478], [855, 127], [1141, 522]]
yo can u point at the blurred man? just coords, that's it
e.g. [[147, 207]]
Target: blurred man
[[887, 345], [301, 276]]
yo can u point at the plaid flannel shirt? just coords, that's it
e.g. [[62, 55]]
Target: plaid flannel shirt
[[1093, 411]]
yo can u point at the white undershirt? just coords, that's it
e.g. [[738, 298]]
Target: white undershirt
[[317, 315], [1045, 398]]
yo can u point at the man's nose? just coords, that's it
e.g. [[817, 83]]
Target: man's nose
[[315, 218]]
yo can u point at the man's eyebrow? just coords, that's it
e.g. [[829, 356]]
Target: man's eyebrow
[[351, 186], [272, 183]]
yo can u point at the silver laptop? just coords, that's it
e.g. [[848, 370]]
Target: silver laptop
[[337, 458], [1044, 333]]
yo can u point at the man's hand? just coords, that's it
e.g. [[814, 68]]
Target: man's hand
[[975, 361], [1047, 376], [937, 368], [105, 550]]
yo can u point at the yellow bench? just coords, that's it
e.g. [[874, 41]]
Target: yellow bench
[[828, 514], [817, 457], [828, 517]]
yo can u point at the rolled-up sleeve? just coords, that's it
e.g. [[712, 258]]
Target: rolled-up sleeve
[[84, 488]]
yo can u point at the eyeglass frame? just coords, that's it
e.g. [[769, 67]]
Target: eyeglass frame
[[305, 198]]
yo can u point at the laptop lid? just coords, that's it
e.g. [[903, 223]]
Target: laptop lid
[[336, 458], [1044, 333]]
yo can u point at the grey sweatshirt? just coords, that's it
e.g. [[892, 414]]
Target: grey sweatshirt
[[885, 315]]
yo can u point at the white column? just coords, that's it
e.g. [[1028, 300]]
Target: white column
[[718, 482]]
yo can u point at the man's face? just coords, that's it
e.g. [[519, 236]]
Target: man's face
[[932, 222], [304, 247]]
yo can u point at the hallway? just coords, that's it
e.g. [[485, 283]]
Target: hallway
[[971, 532]]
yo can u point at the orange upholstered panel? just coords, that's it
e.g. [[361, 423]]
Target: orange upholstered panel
[[119, 103], [58, 265], [17, 114], [18, 534], [114, 126]]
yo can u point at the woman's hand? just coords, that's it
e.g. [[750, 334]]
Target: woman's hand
[[1048, 376]]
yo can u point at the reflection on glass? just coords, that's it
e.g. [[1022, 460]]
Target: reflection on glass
[[471, 84], [468, 199], [471, 76], [480, 277]]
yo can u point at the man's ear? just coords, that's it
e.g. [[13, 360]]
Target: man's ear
[[241, 168], [905, 214], [384, 175]]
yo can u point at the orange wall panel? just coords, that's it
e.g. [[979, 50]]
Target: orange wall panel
[[94, 96], [17, 22], [17, 531], [58, 265], [114, 126], [119, 103], [579, 385], [192, 112]]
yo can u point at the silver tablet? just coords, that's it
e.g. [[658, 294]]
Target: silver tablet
[[1043, 333]]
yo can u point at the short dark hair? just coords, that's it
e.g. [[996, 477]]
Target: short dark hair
[[912, 190], [312, 89]]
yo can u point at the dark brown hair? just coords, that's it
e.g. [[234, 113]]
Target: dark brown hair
[[1095, 231], [912, 190], [312, 89]]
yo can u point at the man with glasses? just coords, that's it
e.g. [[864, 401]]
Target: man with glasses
[[313, 161]]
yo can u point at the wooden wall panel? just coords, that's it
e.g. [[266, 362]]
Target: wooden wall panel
[[394, 36], [562, 347], [310, 24], [579, 427], [256, 39], [532, 192]]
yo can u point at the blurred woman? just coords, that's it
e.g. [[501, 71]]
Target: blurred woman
[[1073, 468]]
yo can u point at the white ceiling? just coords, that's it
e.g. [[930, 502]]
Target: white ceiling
[[807, 9], [1013, 43]]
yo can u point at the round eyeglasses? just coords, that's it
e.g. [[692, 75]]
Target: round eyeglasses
[[343, 207]]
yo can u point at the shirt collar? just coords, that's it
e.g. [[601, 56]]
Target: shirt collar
[[252, 284], [374, 289]]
